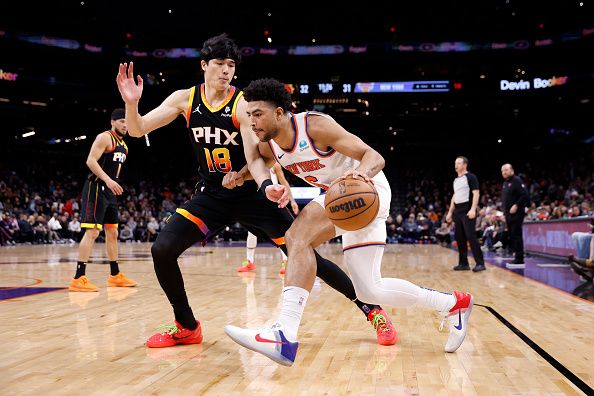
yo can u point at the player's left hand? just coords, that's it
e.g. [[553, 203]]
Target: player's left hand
[[279, 194], [355, 174], [295, 207], [232, 179], [513, 209], [471, 214]]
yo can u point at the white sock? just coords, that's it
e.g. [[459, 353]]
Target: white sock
[[294, 300], [435, 299], [251, 243]]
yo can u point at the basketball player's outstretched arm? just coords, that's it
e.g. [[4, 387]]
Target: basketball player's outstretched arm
[[162, 115], [326, 132]]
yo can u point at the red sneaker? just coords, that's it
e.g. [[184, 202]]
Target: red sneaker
[[246, 266], [173, 335], [381, 322]]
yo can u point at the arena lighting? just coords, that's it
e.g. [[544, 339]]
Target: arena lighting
[[27, 134], [83, 137]]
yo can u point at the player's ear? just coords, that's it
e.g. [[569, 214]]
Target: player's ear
[[203, 65], [279, 112]]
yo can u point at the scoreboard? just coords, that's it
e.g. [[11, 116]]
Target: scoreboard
[[369, 87]]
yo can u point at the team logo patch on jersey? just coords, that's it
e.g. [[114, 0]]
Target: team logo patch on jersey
[[226, 113], [302, 145]]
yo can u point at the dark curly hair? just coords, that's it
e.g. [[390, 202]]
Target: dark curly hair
[[220, 47], [268, 90]]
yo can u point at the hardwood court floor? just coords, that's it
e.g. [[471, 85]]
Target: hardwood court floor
[[93, 343]]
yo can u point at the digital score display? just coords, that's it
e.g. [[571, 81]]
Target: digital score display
[[323, 88], [371, 87]]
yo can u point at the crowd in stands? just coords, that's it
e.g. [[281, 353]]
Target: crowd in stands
[[50, 212], [41, 210], [421, 217]]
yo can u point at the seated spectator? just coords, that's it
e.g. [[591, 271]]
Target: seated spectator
[[74, 228], [443, 233], [140, 231], [126, 234], [153, 229], [411, 228], [581, 263], [7, 232], [26, 231], [54, 226]]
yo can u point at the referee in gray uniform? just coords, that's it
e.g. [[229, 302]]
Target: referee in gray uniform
[[463, 209]]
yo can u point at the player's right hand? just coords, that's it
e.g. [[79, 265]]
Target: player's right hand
[[232, 179], [114, 187], [130, 92], [448, 218], [279, 194]]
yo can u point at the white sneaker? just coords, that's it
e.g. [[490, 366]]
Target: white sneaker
[[515, 265], [498, 245], [270, 342], [457, 319]]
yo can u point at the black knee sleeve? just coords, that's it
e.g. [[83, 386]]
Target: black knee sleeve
[[177, 236]]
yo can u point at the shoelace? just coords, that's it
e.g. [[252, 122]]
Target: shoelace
[[379, 321], [444, 320], [169, 330]]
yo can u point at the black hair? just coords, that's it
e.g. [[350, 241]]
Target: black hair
[[268, 90], [118, 114], [220, 47]]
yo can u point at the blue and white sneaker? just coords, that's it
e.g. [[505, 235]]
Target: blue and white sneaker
[[269, 341], [457, 319]]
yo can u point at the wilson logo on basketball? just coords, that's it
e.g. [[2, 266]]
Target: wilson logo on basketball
[[348, 206]]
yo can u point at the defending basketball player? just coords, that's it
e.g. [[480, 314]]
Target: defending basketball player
[[218, 125], [277, 176], [99, 204], [316, 148]]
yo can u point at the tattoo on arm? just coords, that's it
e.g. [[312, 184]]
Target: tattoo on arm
[[374, 170]]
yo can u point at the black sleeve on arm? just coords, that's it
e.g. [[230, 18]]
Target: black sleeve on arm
[[472, 181]]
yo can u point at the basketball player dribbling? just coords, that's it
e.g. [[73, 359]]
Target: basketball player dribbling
[[218, 125], [317, 149], [99, 204], [277, 176]]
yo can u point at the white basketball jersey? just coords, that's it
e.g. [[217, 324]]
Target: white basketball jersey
[[304, 160]]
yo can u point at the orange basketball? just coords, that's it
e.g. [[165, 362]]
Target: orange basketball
[[351, 204]]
